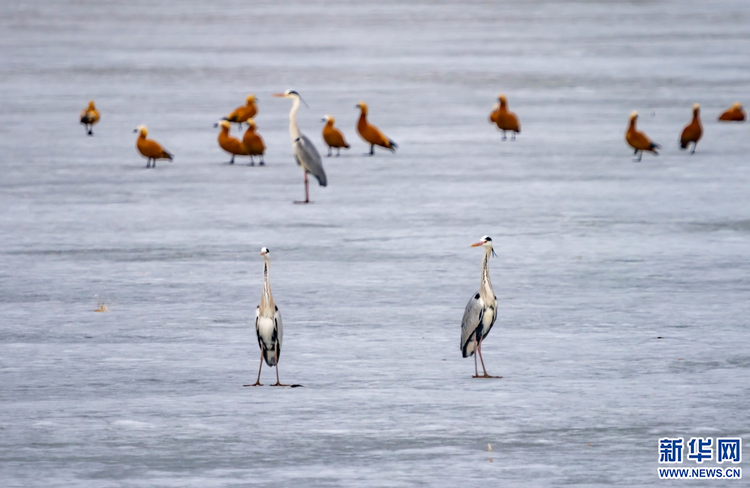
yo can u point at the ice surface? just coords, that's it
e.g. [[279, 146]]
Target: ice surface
[[623, 288]]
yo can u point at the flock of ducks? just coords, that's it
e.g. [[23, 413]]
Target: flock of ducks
[[692, 133], [481, 311]]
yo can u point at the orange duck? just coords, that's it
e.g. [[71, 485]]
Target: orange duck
[[151, 150], [253, 143], [243, 112], [735, 113], [228, 143], [372, 134], [89, 117], [505, 119], [638, 140], [693, 131], [332, 136]]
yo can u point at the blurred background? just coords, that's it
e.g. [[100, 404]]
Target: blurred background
[[623, 288]]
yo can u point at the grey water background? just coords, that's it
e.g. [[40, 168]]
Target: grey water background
[[623, 288]]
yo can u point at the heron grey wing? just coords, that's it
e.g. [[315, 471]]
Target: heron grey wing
[[309, 158], [469, 323], [257, 328], [279, 327]]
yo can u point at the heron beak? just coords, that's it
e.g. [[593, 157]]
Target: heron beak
[[477, 244], [279, 95]]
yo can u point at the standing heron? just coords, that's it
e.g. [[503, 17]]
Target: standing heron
[[303, 149], [480, 313], [268, 324]]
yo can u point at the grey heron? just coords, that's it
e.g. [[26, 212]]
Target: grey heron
[[268, 326], [303, 149], [480, 313]]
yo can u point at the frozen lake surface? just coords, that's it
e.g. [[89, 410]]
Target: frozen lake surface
[[624, 289]]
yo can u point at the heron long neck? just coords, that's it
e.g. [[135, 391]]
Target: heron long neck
[[266, 301], [486, 289], [294, 132]]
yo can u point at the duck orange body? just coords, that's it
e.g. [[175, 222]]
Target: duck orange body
[[505, 119], [372, 134], [151, 150], [244, 112], [693, 131], [253, 143], [332, 136], [735, 113], [89, 117], [638, 140], [228, 143]]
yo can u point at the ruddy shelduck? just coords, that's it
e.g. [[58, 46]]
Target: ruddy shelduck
[[89, 117], [693, 131], [253, 143], [332, 136], [638, 140], [505, 119], [151, 150], [243, 112], [228, 143], [735, 113], [372, 134]]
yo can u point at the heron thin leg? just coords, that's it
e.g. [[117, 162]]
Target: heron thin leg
[[307, 191], [258, 383], [278, 383], [479, 348]]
